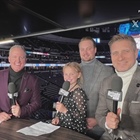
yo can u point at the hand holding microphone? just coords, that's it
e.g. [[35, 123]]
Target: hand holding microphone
[[63, 92], [115, 94], [16, 111], [112, 120], [60, 107], [12, 93]]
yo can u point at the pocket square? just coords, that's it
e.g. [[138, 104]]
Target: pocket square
[[135, 102], [26, 89]]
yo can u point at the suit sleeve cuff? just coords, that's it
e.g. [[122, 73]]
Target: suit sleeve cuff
[[108, 129]]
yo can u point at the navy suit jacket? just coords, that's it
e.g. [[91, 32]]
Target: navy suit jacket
[[28, 94]]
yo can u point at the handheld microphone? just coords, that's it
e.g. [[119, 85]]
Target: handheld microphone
[[116, 93], [12, 93], [64, 90]]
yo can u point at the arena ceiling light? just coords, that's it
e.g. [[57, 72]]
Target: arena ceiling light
[[6, 41]]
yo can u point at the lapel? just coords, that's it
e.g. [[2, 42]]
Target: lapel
[[5, 86], [24, 82], [133, 89], [5, 79]]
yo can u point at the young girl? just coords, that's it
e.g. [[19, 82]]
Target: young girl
[[72, 111]]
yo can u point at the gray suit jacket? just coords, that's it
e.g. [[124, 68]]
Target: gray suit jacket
[[129, 127], [93, 74], [28, 95]]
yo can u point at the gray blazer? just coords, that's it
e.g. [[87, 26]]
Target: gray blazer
[[129, 127], [93, 74]]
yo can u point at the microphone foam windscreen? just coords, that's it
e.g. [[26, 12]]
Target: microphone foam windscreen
[[66, 85], [117, 84], [11, 87]]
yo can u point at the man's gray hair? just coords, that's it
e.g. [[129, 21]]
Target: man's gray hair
[[17, 46], [122, 37]]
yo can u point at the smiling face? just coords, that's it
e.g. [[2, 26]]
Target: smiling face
[[71, 74], [123, 55], [17, 58], [87, 50]]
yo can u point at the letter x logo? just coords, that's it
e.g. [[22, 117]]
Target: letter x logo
[[135, 23]]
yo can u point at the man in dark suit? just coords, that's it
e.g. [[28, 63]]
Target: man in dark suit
[[125, 123], [93, 74], [28, 98]]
